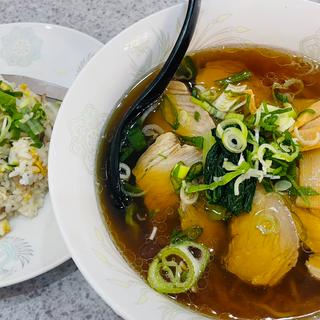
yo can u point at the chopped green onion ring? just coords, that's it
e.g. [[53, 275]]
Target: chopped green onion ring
[[177, 268], [233, 140], [5, 127], [187, 198], [204, 105], [180, 170], [231, 122], [178, 173], [277, 154]]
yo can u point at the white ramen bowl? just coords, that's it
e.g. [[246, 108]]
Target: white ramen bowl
[[289, 24]]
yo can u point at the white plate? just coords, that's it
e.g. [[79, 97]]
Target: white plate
[[56, 54], [292, 24]]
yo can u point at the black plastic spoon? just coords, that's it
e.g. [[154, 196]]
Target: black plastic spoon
[[146, 99]]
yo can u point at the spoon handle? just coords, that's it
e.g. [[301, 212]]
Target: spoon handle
[[145, 100], [160, 83]]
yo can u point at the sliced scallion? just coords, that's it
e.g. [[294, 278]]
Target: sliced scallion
[[282, 185], [170, 111], [243, 168], [217, 212], [178, 267], [208, 142], [187, 199], [204, 105], [307, 111], [196, 170], [189, 234], [5, 127], [288, 90], [132, 191], [187, 70], [180, 170], [235, 78], [233, 115], [178, 173], [197, 116], [233, 140], [131, 211], [196, 141], [231, 122]]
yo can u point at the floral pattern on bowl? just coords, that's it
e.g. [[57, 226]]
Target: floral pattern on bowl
[[154, 47], [310, 46], [85, 131], [21, 47], [15, 253]]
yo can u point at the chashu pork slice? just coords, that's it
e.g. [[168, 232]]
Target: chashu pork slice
[[193, 121], [153, 170], [313, 265], [264, 243], [309, 225], [214, 232], [220, 69], [309, 176]]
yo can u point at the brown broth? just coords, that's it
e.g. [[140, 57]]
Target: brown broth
[[220, 292]]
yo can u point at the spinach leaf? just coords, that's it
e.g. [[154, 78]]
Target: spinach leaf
[[136, 138], [133, 141], [187, 70], [189, 234], [224, 195], [195, 172], [196, 141], [125, 153], [197, 116], [267, 184]]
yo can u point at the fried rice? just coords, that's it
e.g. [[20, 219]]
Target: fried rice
[[26, 122]]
